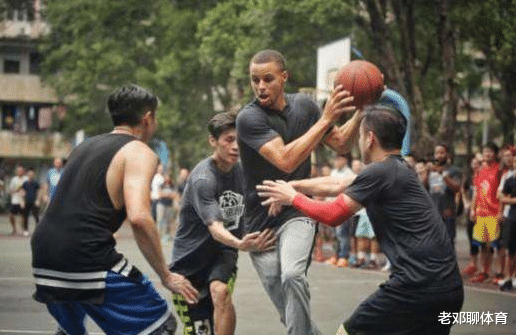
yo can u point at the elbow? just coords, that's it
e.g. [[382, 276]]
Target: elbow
[[140, 220], [286, 166]]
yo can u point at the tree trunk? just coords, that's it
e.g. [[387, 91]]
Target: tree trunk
[[446, 132]]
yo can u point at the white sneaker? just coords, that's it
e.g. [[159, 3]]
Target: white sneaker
[[25, 233], [387, 267]]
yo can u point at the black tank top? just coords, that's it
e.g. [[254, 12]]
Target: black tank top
[[76, 232]]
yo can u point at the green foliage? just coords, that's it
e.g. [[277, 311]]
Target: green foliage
[[489, 26], [192, 53], [233, 31]]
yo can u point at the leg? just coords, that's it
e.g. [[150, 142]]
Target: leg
[[195, 318], [70, 317], [471, 268], [131, 306], [295, 242], [25, 218], [160, 216], [267, 265], [12, 219], [35, 213], [224, 315]]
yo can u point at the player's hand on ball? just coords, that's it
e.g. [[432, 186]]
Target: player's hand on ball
[[178, 283], [339, 103]]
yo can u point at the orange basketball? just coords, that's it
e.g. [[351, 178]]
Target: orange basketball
[[363, 80]]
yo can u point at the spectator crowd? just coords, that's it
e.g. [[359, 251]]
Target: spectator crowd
[[480, 197]]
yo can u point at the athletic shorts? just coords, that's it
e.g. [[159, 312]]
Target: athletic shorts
[[16, 209], [397, 312], [131, 306], [364, 227], [509, 235], [198, 319], [486, 229]]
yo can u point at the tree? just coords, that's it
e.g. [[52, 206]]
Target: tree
[[489, 25], [234, 30], [95, 46]]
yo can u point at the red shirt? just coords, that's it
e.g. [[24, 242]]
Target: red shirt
[[486, 185]]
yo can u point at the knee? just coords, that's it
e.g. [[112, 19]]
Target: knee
[[292, 278], [220, 294]]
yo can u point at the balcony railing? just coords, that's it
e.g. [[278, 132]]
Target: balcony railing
[[33, 145]]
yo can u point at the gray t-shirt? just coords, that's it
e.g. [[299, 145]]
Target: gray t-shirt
[[256, 126], [409, 229], [209, 196], [443, 196]]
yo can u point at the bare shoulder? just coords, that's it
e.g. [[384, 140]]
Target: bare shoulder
[[138, 153], [136, 158]]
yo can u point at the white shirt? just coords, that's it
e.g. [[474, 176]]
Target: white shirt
[[156, 183], [16, 191]]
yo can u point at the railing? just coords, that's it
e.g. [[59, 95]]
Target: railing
[[33, 145]]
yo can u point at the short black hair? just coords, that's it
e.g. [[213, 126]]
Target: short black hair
[[492, 146], [388, 124], [267, 56], [128, 104], [220, 123]]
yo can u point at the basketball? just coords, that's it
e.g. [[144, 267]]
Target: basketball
[[363, 80]]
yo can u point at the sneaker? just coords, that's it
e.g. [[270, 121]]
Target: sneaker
[[360, 263], [331, 261], [387, 267], [352, 260], [497, 279], [469, 270], [342, 263], [25, 233], [506, 285], [479, 278], [371, 265]]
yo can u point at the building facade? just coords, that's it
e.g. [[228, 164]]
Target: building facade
[[27, 105]]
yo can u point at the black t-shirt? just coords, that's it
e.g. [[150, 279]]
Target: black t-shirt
[[31, 191], [256, 126], [209, 196], [409, 228], [509, 189]]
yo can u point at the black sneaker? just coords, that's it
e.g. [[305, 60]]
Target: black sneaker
[[507, 286]]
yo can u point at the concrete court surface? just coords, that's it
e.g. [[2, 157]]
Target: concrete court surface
[[335, 294]]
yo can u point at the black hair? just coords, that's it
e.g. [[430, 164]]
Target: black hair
[[388, 124], [267, 56], [492, 146], [128, 104], [220, 123]]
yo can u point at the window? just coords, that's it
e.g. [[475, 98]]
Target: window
[[11, 66], [35, 60], [8, 114]]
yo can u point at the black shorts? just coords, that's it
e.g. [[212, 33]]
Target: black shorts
[[389, 311], [198, 318], [16, 209], [509, 235]]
